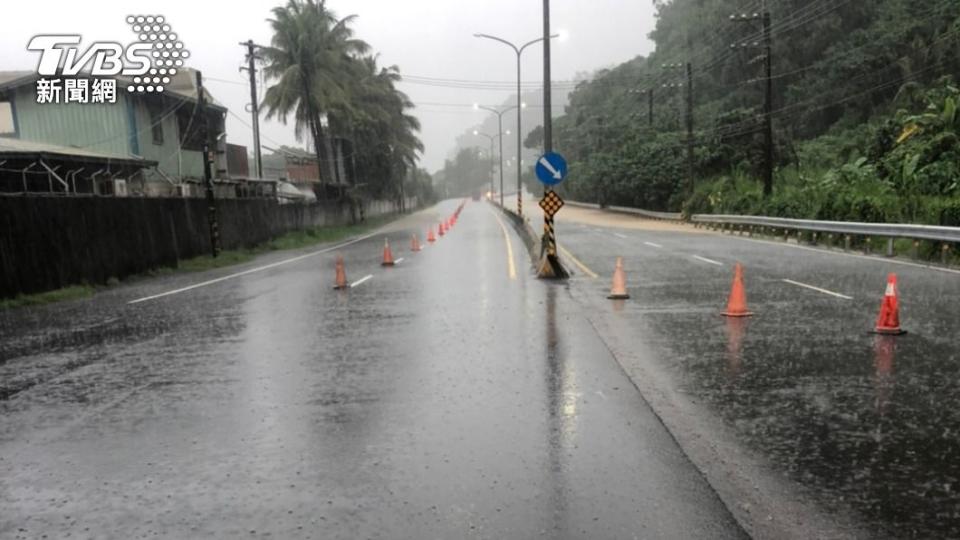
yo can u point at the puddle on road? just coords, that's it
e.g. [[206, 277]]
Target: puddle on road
[[866, 421]]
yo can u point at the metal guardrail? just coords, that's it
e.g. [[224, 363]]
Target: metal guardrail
[[650, 214], [579, 204], [885, 230], [882, 230]]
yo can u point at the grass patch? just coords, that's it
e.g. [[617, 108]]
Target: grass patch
[[321, 235], [290, 240], [58, 295], [206, 262]]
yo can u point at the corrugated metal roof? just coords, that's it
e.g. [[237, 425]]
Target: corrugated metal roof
[[184, 85], [10, 147], [13, 79]]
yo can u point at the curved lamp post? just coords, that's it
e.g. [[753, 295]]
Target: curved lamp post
[[519, 50], [500, 133]]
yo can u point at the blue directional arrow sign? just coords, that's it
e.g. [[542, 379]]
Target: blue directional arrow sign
[[551, 169]]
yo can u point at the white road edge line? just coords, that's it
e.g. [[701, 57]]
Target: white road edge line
[[818, 289], [254, 270], [618, 235], [651, 244], [398, 261], [706, 260], [852, 255], [361, 281]]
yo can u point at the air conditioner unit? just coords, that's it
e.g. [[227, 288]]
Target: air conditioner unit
[[119, 187], [183, 190]]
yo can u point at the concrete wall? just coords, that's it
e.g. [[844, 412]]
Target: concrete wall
[[52, 242]]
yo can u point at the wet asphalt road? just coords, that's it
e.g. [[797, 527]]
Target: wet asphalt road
[[863, 426], [441, 398]]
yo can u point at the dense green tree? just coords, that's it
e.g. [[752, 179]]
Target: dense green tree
[[841, 70], [468, 173]]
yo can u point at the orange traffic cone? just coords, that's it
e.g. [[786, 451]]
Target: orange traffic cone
[[737, 305], [387, 254], [414, 243], [341, 282], [618, 291], [440, 230], [888, 323], [430, 237]]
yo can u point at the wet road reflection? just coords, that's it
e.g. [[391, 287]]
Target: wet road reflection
[[440, 399], [562, 408], [862, 424]]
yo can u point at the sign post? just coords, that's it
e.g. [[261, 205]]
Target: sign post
[[551, 169]]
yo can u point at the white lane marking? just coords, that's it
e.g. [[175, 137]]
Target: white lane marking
[[651, 244], [818, 289], [398, 261], [361, 281], [706, 260], [618, 235], [853, 255], [254, 270]]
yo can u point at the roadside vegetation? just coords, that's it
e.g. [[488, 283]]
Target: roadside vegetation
[[865, 114], [73, 292]]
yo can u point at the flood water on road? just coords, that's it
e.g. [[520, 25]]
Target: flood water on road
[[863, 421]]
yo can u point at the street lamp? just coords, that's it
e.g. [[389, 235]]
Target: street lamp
[[491, 137], [519, 51], [500, 131]]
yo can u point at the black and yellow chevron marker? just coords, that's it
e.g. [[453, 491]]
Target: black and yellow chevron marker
[[551, 236]]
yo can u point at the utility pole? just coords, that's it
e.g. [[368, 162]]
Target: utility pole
[[690, 157], [254, 106], [547, 94], [207, 176], [650, 106], [691, 169], [767, 46], [549, 267], [768, 105], [599, 142], [649, 94]]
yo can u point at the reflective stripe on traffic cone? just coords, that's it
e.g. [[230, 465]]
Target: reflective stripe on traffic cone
[[414, 243], [888, 323], [737, 304], [341, 282], [387, 254], [618, 290]]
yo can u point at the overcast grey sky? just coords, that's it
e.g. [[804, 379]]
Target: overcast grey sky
[[425, 38]]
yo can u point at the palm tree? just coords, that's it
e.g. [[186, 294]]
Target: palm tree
[[376, 120], [308, 57]]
